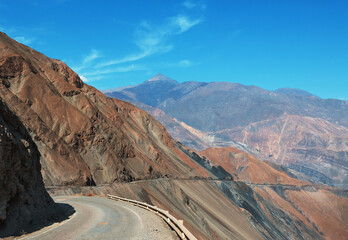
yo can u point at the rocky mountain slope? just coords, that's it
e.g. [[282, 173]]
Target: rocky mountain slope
[[24, 201], [313, 146], [84, 137], [236, 210], [263, 201], [247, 168], [287, 126]]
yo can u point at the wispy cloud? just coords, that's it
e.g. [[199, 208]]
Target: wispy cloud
[[87, 60], [184, 23], [83, 78], [129, 68], [152, 39], [185, 63], [190, 4], [96, 73], [128, 58], [92, 56], [24, 40]]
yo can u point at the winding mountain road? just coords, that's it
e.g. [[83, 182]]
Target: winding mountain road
[[102, 218]]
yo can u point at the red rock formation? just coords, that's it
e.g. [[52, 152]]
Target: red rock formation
[[83, 136]]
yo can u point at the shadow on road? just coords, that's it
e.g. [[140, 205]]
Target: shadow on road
[[62, 212]]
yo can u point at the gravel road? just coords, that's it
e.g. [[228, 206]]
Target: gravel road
[[102, 218]]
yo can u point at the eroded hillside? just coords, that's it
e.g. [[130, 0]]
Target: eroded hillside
[[84, 137]]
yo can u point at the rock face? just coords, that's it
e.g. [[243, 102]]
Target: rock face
[[23, 198], [247, 168], [287, 126], [84, 137], [313, 146]]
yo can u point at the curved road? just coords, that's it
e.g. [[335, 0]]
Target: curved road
[[102, 218]]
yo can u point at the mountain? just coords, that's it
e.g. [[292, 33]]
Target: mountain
[[284, 126], [153, 91], [84, 137], [186, 134], [220, 105], [24, 201]]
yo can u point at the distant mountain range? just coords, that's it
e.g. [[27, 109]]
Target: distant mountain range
[[288, 126]]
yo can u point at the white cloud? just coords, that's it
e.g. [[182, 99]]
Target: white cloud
[[129, 68], [150, 40], [184, 23], [24, 40], [87, 60], [83, 78], [90, 57], [185, 63], [189, 4], [155, 39], [128, 58]]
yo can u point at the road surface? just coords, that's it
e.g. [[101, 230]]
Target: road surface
[[102, 218]]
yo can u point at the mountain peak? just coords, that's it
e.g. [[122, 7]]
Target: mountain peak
[[162, 78]]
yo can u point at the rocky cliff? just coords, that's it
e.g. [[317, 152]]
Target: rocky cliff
[[24, 201]]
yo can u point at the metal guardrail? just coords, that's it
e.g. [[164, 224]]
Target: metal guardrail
[[177, 225]]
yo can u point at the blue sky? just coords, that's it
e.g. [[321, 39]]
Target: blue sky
[[271, 44]]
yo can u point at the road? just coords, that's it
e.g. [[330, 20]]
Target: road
[[102, 218]]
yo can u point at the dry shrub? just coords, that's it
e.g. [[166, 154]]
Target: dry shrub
[[90, 194]]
